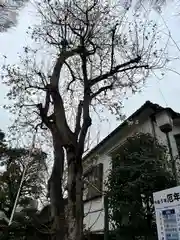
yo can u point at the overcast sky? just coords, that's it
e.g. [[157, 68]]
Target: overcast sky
[[165, 92]]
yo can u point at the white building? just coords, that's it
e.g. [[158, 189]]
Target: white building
[[163, 123]]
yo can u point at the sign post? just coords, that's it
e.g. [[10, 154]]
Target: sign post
[[167, 208]]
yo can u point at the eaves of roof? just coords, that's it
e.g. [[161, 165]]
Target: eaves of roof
[[155, 107]]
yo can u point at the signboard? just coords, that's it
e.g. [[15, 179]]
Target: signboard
[[167, 207]]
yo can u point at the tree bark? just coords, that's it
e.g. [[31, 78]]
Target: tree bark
[[75, 209], [55, 190], [71, 195], [79, 204]]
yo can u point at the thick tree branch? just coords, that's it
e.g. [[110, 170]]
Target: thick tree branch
[[86, 124], [43, 111], [54, 81], [66, 134], [64, 130], [146, 66], [43, 116], [114, 70], [86, 103], [78, 119], [112, 46], [84, 68], [47, 102]]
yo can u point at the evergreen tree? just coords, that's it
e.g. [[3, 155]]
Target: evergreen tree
[[139, 169]]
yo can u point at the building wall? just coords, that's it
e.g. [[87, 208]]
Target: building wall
[[93, 210], [94, 214]]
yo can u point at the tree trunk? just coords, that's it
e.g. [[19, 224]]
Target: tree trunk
[[71, 196], [79, 204], [75, 193], [55, 191]]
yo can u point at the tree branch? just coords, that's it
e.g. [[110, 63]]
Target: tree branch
[[35, 87], [72, 75], [54, 81], [103, 89], [114, 70], [78, 119], [110, 86], [86, 124], [94, 48], [112, 46], [84, 67], [43, 116], [42, 77], [146, 66], [66, 134], [43, 111], [86, 103], [47, 102]]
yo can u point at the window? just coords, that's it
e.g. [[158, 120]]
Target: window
[[93, 182]]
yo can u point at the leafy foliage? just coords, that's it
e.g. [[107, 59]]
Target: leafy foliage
[[13, 162], [139, 169], [27, 225]]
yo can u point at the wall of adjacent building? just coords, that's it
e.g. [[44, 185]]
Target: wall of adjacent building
[[94, 213]]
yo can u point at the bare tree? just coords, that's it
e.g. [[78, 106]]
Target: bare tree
[[9, 12], [99, 53]]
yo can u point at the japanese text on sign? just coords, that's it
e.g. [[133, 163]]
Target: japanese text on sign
[[167, 208]]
